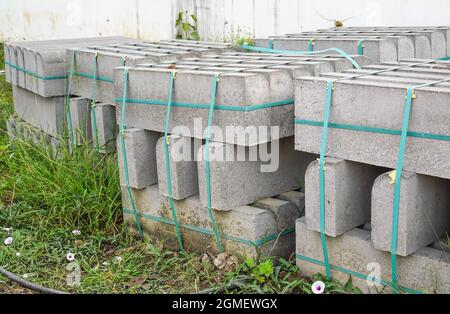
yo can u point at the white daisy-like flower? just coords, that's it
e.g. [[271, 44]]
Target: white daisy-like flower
[[118, 259], [70, 256], [25, 276], [318, 287], [18, 254], [8, 240], [76, 232]]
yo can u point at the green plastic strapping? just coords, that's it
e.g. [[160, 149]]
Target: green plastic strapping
[[33, 74], [311, 45], [255, 244], [323, 148], [356, 274], [124, 153], [94, 77], [208, 178], [93, 94], [207, 106], [69, 90], [367, 129], [270, 43], [293, 52], [166, 150], [361, 47]]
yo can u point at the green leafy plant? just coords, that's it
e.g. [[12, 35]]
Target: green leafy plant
[[187, 26], [245, 41]]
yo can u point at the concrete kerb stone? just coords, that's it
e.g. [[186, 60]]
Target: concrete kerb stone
[[427, 270], [183, 167], [423, 212], [295, 197], [379, 105], [245, 230], [80, 109], [47, 114], [140, 148], [106, 127], [348, 187], [235, 183]]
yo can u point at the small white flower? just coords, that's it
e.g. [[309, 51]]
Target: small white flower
[[18, 254], [70, 256], [118, 259], [25, 276], [76, 232], [105, 263], [8, 240], [318, 287]]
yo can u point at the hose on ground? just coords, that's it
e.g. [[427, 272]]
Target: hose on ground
[[28, 284]]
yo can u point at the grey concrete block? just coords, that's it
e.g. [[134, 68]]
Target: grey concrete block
[[286, 212], [140, 148], [443, 244], [378, 105], [183, 167], [80, 112], [19, 129], [236, 182], [426, 270], [424, 214], [348, 187], [242, 229], [295, 197], [47, 114], [104, 135]]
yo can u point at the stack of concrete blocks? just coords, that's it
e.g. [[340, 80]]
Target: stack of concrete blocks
[[100, 60], [380, 44], [37, 72], [363, 142], [249, 205]]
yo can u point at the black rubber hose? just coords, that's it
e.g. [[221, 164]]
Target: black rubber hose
[[28, 284]]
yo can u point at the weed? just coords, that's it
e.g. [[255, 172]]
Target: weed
[[187, 26]]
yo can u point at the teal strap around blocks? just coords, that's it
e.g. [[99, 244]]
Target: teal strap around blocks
[[69, 91], [33, 74], [323, 149], [337, 50], [311, 44], [256, 244], [208, 176], [367, 129], [270, 43], [93, 94], [207, 106], [356, 274], [167, 160], [444, 58], [361, 47], [97, 78], [124, 152]]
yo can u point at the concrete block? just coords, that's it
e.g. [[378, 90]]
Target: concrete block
[[243, 230], [424, 214], [140, 147], [104, 136], [244, 180], [348, 187], [427, 270], [80, 112], [295, 197], [183, 167], [443, 244], [47, 114], [285, 212], [377, 105], [19, 129]]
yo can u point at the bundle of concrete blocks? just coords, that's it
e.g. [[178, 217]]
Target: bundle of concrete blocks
[[366, 115], [92, 77], [254, 204], [380, 44], [37, 72]]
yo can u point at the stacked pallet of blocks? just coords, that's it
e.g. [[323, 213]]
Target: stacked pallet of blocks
[[232, 199], [91, 78], [360, 213], [380, 44], [37, 72]]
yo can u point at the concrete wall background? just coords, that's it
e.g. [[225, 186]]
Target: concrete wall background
[[218, 19]]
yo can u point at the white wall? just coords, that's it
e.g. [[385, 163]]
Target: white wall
[[218, 19]]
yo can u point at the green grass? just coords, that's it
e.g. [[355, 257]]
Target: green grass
[[44, 198]]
